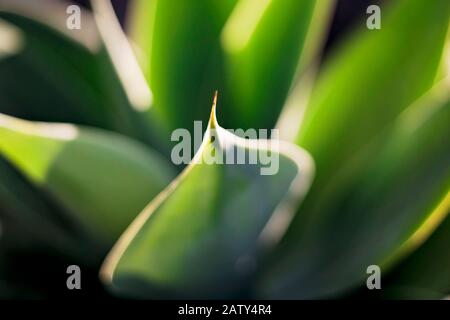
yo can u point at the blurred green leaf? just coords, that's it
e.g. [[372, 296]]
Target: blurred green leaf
[[370, 80], [383, 212], [182, 55], [359, 93], [263, 41], [124, 62], [426, 273], [444, 68], [34, 227], [291, 115], [203, 235], [42, 223], [67, 74], [140, 20], [103, 178], [184, 65]]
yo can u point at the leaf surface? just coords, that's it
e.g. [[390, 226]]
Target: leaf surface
[[203, 236]]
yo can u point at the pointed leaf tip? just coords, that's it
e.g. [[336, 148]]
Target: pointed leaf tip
[[212, 119], [224, 223]]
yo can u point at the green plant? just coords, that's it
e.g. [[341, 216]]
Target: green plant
[[86, 176]]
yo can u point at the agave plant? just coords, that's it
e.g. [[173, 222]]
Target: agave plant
[[87, 118]]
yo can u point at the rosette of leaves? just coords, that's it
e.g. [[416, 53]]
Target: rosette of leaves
[[86, 176]]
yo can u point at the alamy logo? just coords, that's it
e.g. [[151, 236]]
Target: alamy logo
[[73, 21], [374, 20], [374, 280], [251, 146], [74, 280]]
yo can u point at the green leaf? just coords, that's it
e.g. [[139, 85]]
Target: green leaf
[[38, 221], [359, 93], [263, 41], [124, 61], [67, 74], [379, 215], [444, 68], [191, 48], [182, 49], [140, 20], [291, 115], [381, 70], [205, 233], [105, 179], [426, 273]]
